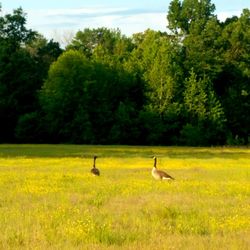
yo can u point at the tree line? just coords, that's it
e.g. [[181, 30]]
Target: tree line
[[189, 85]]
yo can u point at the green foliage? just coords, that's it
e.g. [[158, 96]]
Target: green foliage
[[192, 135], [189, 85], [80, 97], [18, 88], [13, 30], [205, 114], [151, 127], [24, 64], [156, 57], [161, 78], [102, 44], [233, 83], [236, 36], [188, 15], [195, 97], [125, 126], [28, 128], [203, 50], [64, 95]]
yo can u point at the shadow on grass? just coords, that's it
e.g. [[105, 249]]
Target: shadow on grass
[[117, 151]]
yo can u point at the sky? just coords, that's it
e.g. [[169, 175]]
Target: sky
[[61, 19]]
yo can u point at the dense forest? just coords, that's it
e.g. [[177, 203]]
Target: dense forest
[[189, 85]]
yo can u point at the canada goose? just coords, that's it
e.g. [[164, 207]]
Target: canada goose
[[94, 170], [158, 174]]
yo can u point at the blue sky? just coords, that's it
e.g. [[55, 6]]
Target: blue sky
[[62, 18]]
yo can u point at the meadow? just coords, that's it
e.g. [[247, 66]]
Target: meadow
[[49, 199]]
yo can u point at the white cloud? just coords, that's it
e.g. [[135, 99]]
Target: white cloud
[[223, 15], [129, 21], [141, 22]]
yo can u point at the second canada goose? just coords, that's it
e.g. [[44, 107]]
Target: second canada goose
[[94, 170], [158, 174]]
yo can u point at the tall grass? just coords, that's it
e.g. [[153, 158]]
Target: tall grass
[[49, 199]]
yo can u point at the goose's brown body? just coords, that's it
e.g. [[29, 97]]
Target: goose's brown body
[[94, 170], [158, 174]]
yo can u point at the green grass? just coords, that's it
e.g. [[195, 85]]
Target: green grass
[[49, 200]]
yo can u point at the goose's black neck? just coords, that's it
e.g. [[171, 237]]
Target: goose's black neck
[[94, 161], [155, 161]]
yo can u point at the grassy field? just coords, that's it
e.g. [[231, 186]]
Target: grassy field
[[49, 200]]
